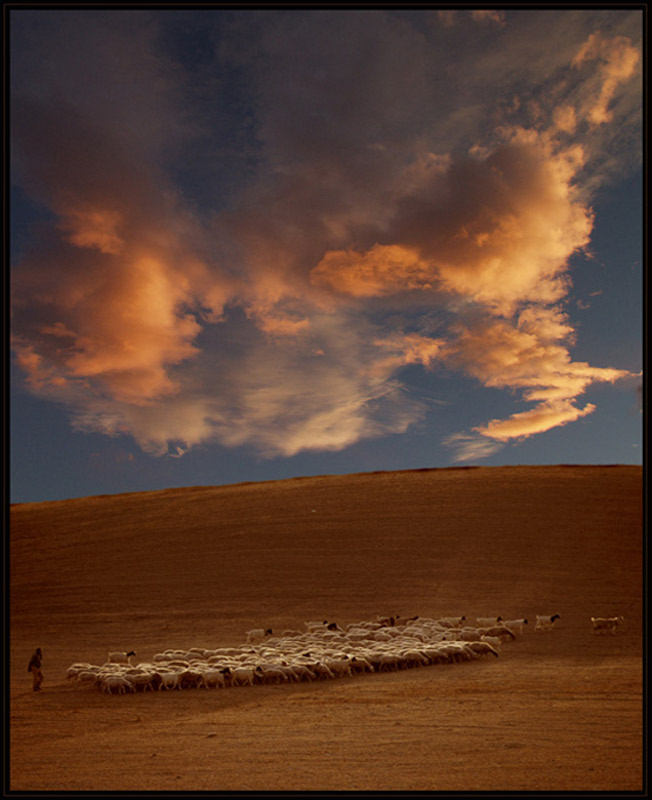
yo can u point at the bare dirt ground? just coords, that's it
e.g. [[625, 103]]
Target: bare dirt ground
[[190, 567]]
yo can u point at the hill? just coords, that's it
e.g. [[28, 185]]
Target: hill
[[199, 566]]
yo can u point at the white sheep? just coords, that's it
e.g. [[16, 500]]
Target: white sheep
[[545, 623], [339, 666], [361, 664], [482, 648], [169, 681], [498, 630], [303, 672], [487, 622], [606, 624], [494, 641], [320, 670], [269, 673], [87, 675], [113, 683], [451, 622], [312, 625], [515, 625], [120, 657], [258, 634], [212, 678], [413, 658], [242, 676], [74, 669]]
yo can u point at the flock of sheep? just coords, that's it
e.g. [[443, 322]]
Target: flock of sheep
[[323, 650]]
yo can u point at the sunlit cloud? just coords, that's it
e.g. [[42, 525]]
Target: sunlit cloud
[[469, 447], [537, 420], [617, 60], [497, 229], [280, 315]]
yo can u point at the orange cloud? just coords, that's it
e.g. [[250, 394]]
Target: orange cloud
[[618, 61], [565, 119], [265, 322], [497, 230], [116, 321], [382, 270], [537, 420], [527, 356], [411, 348], [93, 228], [531, 357]]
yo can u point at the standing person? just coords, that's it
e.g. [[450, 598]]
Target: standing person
[[35, 668]]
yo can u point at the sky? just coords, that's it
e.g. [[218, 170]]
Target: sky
[[259, 244]]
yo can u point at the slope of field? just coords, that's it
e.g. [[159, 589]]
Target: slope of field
[[200, 566]]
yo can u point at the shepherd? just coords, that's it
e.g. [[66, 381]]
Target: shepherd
[[35, 668]]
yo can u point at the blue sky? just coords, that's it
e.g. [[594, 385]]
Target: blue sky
[[256, 245]]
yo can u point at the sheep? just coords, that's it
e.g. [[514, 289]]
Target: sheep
[[435, 655], [320, 670], [498, 630], [169, 680], [267, 673], [413, 658], [482, 648], [111, 683], [606, 624], [303, 673], [315, 626], [388, 661], [451, 622], [360, 664], [87, 675], [515, 625], [242, 676], [189, 679], [258, 634], [145, 681], [545, 623], [494, 641], [388, 622], [119, 657], [290, 671], [487, 622], [369, 626], [469, 635], [211, 678], [454, 651], [339, 666], [74, 669]]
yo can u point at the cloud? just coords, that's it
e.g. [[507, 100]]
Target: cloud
[[487, 15], [497, 230], [530, 356], [537, 420], [308, 394], [383, 179], [448, 17], [382, 270], [618, 60], [468, 447]]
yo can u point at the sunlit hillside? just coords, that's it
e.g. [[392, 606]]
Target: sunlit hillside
[[200, 566]]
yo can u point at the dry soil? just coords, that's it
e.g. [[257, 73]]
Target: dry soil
[[200, 566]]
